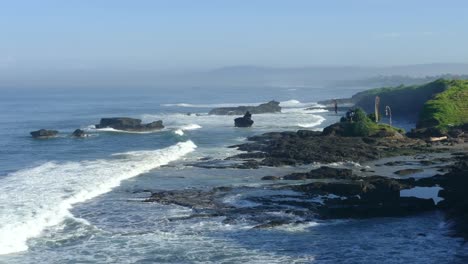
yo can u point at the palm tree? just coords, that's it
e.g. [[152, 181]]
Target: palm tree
[[388, 112], [377, 106]]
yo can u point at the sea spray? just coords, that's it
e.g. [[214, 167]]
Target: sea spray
[[289, 103], [180, 131], [36, 198]]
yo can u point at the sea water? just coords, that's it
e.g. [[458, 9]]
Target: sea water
[[69, 200]]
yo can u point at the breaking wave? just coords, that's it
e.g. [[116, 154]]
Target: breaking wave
[[40, 197]]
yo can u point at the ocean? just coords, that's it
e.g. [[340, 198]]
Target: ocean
[[80, 200]]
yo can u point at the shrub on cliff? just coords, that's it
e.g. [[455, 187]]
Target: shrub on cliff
[[358, 124], [447, 109]]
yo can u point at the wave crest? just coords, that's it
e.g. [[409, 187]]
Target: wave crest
[[36, 198]]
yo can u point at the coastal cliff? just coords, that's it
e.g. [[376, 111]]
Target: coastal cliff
[[405, 101]]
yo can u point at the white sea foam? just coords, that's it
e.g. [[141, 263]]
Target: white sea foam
[[297, 227], [110, 129], [191, 127], [238, 201], [296, 103], [289, 103], [179, 132], [349, 164], [318, 121], [271, 121], [36, 198], [209, 105]]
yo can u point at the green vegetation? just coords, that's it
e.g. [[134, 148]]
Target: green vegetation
[[406, 101], [358, 124], [448, 108]]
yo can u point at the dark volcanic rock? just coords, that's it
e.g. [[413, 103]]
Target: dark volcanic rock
[[270, 107], [425, 133], [321, 173], [405, 172], [455, 203], [44, 133], [189, 198], [358, 198], [271, 178], [295, 148], [129, 124], [79, 133], [245, 121], [369, 197], [355, 208]]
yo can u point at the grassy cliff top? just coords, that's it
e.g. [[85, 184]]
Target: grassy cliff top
[[448, 108], [361, 125]]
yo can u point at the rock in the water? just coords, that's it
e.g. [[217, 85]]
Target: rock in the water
[[245, 121], [271, 178], [129, 124], [405, 172], [79, 133], [321, 173], [270, 107], [455, 203], [44, 133]]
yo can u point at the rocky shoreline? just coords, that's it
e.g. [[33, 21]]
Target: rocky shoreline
[[307, 147], [331, 192]]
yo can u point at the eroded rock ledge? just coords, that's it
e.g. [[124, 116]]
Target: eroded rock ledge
[[306, 147]]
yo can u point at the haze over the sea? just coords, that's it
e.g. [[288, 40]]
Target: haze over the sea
[[145, 43]]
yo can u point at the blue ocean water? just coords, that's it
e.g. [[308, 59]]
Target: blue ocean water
[[67, 200]]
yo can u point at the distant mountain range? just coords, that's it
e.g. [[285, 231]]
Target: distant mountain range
[[238, 76]]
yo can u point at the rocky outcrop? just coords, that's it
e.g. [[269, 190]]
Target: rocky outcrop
[[245, 121], [270, 107], [129, 124], [320, 173], [455, 203], [355, 197], [305, 147], [406, 172], [78, 133], [44, 133]]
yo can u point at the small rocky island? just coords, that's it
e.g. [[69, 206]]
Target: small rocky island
[[245, 121], [129, 124], [79, 133], [270, 107], [44, 134]]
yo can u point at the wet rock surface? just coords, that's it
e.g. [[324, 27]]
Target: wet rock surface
[[406, 172], [331, 193], [78, 133], [279, 204], [305, 147], [44, 134], [245, 121], [270, 107], [455, 194], [129, 124]]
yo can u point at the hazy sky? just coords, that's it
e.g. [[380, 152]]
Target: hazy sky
[[201, 34]]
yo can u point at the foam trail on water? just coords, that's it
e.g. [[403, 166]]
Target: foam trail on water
[[110, 129], [191, 127], [296, 103], [318, 121], [180, 131], [34, 199], [210, 105], [288, 103]]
